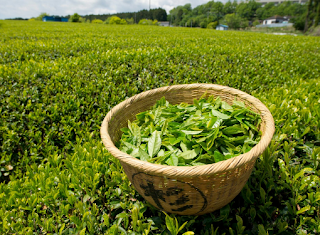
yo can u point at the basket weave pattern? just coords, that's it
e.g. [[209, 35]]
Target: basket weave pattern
[[192, 190]]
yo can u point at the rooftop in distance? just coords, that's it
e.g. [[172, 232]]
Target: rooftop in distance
[[264, 2]]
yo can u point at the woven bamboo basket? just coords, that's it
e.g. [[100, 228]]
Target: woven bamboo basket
[[186, 190]]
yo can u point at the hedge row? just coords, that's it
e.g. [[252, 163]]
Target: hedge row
[[58, 81]]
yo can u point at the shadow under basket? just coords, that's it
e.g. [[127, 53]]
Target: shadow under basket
[[186, 190]]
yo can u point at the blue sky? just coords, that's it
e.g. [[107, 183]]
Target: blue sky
[[33, 8]]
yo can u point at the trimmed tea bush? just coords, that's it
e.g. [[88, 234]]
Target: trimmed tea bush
[[58, 81]]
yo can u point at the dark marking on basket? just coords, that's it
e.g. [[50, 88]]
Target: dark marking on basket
[[183, 208], [181, 200], [159, 195], [156, 195], [173, 191]]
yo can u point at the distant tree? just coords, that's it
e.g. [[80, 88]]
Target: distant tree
[[88, 21], [115, 20], [17, 18], [244, 23], [39, 18], [75, 18], [123, 21], [265, 12], [32, 19], [107, 21], [159, 14], [317, 18], [144, 14], [179, 16], [299, 22], [130, 21], [187, 7], [248, 9], [82, 20], [148, 22], [313, 14], [229, 7], [217, 10], [233, 21], [197, 21], [255, 23], [145, 22], [97, 21], [212, 25], [307, 20]]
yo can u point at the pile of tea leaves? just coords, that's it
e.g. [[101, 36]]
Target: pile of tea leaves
[[207, 131]]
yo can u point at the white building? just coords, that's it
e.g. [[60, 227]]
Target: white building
[[277, 20], [164, 23], [276, 2], [222, 27]]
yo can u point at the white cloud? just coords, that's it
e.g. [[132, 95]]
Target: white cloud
[[33, 8]]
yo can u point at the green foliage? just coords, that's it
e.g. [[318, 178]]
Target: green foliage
[[208, 131], [299, 22], [75, 18], [255, 23], [246, 10], [285, 8], [130, 21], [244, 24], [233, 21], [212, 25], [82, 20], [58, 83], [123, 21], [312, 14], [114, 20], [39, 18], [96, 21], [158, 14], [148, 22], [230, 7], [173, 226], [314, 31]]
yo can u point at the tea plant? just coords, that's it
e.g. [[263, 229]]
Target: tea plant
[[58, 81]]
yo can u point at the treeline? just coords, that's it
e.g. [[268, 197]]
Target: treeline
[[17, 18], [158, 14], [236, 15], [312, 18]]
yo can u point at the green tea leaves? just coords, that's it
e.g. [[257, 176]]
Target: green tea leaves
[[172, 160], [219, 114], [181, 135], [154, 143], [218, 156], [191, 132], [232, 130], [189, 154]]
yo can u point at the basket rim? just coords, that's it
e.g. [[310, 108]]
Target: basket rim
[[190, 171]]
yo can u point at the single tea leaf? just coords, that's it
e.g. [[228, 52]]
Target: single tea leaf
[[192, 132], [189, 154], [154, 144], [219, 114]]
